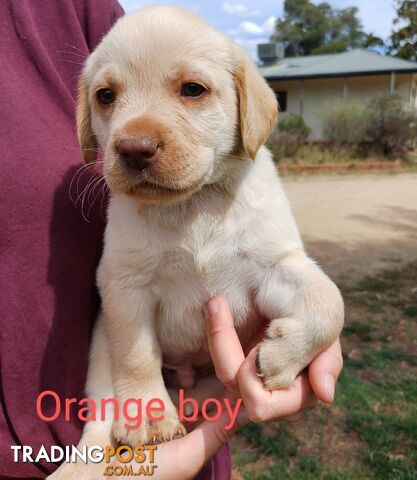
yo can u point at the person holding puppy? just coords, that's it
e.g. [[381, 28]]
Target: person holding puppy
[[50, 254]]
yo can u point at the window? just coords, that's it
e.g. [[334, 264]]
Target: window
[[282, 101]]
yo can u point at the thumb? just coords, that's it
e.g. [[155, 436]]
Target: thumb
[[324, 371]]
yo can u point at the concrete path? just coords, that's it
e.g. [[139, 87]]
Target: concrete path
[[354, 225]]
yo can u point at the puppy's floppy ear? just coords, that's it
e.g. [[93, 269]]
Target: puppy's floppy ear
[[86, 137], [258, 106]]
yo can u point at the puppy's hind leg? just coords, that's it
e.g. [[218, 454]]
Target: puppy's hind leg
[[306, 312], [97, 432]]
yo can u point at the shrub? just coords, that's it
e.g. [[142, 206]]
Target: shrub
[[345, 124], [289, 137], [391, 127], [283, 144], [294, 125]]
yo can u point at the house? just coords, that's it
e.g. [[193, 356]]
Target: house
[[310, 85]]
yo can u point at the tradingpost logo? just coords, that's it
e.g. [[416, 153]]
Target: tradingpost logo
[[121, 461]]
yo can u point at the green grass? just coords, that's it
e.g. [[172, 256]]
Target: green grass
[[390, 433], [301, 473], [370, 432]]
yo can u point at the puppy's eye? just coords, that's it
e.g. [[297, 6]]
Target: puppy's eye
[[192, 90], [105, 96]]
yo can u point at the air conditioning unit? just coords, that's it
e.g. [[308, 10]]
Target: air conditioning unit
[[271, 52]]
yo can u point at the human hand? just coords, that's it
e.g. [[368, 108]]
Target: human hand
[[183, 458], [179, 459], [239, 374]]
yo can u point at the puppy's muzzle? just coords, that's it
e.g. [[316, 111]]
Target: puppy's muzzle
[[138, 153]]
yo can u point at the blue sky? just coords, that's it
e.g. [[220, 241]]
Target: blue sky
[[248, 22]]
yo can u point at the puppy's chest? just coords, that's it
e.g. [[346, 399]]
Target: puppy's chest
[[198, 268], [187, 276]]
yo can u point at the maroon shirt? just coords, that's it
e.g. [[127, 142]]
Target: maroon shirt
[[49, 253]]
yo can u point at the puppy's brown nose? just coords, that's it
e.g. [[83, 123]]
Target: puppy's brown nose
[[138, 153]]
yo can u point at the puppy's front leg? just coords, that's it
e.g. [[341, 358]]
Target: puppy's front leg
[[136, 363], [307, 315]]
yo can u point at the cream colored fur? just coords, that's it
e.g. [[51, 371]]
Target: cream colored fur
[[210, 218]]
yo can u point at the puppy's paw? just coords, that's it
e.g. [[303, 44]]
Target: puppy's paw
[[132, 437], [149, 432], [283, 353], [166, 430]]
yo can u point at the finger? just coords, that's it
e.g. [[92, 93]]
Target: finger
[[224, 344], [324, 371], [251, 386], [262, 405]]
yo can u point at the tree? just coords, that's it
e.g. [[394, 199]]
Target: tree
[[371, 41], [404, 39], [309, 29]]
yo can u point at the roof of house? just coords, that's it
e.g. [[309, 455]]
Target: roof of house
[[352, 63]]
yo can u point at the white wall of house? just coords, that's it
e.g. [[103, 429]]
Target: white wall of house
[[312, 97]]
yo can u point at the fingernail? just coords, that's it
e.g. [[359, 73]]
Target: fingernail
[[211, 308], [329, 385]]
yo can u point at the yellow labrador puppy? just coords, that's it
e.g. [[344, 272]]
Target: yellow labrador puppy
[[197, 210]]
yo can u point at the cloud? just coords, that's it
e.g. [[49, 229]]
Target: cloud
[[269, 25], [239, 10], [249, 34], [251, 28]]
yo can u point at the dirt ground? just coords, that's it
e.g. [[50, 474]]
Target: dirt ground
[[356, 224]]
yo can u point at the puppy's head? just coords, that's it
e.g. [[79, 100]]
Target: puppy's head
[[168, 98]]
